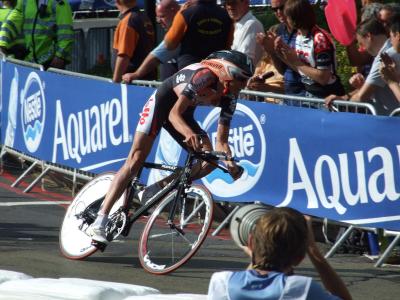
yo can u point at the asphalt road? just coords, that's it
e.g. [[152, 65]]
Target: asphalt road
[[29, 228]]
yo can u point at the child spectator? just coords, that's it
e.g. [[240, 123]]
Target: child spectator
[[281, 239]]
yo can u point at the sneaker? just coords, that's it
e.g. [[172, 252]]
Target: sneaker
[[98, 234]]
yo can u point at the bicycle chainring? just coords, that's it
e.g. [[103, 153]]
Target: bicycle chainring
[[116, 224]]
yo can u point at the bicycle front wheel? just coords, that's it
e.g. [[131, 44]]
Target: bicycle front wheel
[[166, 245]]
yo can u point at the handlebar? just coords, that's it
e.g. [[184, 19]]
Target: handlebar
[[214, 155]]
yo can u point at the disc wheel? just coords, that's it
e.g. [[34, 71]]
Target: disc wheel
[[165, 246]]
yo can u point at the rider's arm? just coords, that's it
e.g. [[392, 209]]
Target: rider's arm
[[222, 139], [175, 117]]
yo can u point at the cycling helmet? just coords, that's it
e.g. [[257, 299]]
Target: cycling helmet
[[230, 65]]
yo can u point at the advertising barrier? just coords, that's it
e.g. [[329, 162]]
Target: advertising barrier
[[341, 166]]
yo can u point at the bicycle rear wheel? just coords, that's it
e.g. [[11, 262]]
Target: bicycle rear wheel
[[75, 242], [164, 247]]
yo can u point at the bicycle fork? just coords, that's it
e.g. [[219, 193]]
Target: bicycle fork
[[180, 196]]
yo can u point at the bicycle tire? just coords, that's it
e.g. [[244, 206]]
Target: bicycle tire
[[163, 249], [74, 242]]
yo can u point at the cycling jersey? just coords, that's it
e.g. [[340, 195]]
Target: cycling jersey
[[200, 85], [318, 51]]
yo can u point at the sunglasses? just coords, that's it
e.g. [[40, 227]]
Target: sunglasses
[[276, 8]]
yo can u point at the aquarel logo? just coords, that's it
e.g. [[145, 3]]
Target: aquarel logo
[[33, 111], [247, 143]]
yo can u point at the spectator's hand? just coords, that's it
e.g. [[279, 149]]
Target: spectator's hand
[[386, 59], [311, 237], [329, 100], [357, 80], [267, 40], [389, 73], [256, 83], [57, 62], [247, 251], [286, 53], [128, 77]]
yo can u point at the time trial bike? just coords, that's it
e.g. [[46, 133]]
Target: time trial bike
[[181, 216]]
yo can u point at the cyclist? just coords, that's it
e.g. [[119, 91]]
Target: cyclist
[[215, 81]]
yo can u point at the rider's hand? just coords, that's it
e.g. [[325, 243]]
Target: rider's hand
[[193, 141], [235, 170]]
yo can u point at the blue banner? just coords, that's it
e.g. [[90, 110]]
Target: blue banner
[[341, 166]]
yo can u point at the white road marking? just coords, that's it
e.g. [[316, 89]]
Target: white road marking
[[34, 203]]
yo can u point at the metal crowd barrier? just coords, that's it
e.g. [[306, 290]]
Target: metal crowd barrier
[[316, 103], [36, 162], [46, 167]]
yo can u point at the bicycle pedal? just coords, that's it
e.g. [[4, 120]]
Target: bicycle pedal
[[99, 245]]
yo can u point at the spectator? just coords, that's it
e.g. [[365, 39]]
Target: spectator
[[388, 13], [388, 69], [200, 29], [165, 12], [133, 40], [246, 28], [281, 239], [11, 38], [48, 32], [371, 35], [314, 56], [358, 57], [274, 82], [292, 79]]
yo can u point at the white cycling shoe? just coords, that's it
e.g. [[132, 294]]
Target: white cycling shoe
[[98, 234]]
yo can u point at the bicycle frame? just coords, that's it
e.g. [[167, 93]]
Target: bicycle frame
[[180, 183]]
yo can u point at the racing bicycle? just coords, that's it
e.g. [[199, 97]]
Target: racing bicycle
[[181, 215]]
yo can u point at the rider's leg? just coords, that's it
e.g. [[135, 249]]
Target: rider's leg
[[141, 147]]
